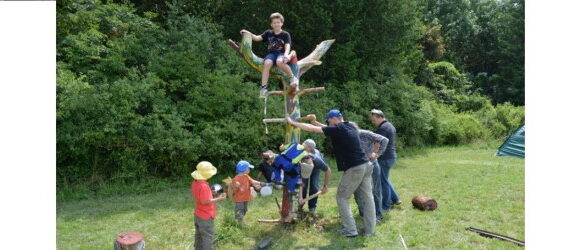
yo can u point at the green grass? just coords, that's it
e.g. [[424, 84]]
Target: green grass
[[472, 187]]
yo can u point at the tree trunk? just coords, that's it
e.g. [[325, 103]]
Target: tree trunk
[[129, 241]]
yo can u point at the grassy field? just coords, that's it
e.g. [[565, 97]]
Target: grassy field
[[472, 186]]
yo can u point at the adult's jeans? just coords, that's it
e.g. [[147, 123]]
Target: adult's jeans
[[357, 179], [376, 192], [315, 181], [389, 194]]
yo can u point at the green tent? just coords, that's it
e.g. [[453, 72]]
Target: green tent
[[514, 144]]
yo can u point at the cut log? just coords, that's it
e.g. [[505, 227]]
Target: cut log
[[424, 203], [129, 241]]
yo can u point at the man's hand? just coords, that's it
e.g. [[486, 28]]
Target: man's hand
[[372, 156], [312, 117], [244, 31], [324, 190]]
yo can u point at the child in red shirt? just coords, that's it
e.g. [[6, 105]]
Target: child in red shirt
[[242, 184], [205, 210]]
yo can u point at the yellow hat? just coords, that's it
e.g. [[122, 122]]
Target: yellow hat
[[204, 170]]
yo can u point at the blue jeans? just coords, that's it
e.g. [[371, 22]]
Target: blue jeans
[[315, 181], [389, 195], [376, 192], [273, 56]]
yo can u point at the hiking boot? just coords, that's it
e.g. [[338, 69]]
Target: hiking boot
[[263, 92]]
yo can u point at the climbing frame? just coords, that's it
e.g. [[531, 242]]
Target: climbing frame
[[292, 105]]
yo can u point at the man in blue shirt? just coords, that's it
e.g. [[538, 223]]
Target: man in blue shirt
[[386, 160], [350, 158]]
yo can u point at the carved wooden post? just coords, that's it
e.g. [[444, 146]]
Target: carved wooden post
[[290, 96]]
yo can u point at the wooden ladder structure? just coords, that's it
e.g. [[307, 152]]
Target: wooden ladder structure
[[291, 102]]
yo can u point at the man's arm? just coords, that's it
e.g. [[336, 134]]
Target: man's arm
[[322, 165], [304, 126], [313, 119], [384, 145]]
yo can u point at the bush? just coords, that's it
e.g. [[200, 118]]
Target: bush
[[502, 119], [453, 128], [474, 102]]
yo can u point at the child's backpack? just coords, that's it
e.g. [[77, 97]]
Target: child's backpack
[[228, 188]]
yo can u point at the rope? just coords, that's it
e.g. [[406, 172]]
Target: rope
[[265, 114]]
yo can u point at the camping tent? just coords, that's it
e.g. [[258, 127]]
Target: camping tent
[[514, 144]]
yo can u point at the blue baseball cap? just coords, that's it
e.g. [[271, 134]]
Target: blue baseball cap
[[242, 166], [331, 114]]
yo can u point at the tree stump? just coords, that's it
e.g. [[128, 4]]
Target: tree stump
[[424, 203], [129, 241]]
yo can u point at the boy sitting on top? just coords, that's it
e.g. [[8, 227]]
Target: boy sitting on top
[[242, 184], [279, 51]]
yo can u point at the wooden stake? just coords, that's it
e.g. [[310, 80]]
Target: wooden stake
[[301, 202], [403, 242]]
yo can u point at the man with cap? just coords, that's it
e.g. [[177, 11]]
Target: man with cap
[[242, 185], [352, 160], [386, 160], [319, 165], [205, 205]]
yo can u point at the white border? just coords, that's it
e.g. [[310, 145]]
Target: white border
[[27, 124], [547, 78]]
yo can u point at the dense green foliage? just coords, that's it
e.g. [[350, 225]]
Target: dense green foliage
[[486, 39], [146, 89]]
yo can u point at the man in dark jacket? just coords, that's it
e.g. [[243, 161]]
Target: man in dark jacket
[[386, 160]]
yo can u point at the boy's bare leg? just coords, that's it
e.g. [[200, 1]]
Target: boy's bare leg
[[267, 64], [285, 68]]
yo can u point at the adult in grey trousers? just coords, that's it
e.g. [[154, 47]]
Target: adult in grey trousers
[[353, 162], [373, 145]]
